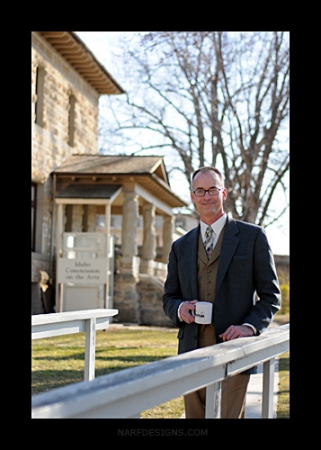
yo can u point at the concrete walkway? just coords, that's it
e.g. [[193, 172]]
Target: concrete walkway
[[254, 393]]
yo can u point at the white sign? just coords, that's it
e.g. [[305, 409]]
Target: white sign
[[82, 271]]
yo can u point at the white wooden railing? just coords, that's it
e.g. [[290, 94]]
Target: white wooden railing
[[69, 322], [128, 392]]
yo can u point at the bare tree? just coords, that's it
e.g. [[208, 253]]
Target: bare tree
[[200, 98]]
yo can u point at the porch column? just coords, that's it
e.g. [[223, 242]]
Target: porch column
[[129, 227], [168, 231], [91, 218], [149, 240], [126, 298], [77, 218]]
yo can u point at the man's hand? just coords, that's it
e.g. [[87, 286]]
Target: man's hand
[[236, 331], [185, 311]]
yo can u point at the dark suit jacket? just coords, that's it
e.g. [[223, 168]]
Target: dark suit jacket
[[246, 268]]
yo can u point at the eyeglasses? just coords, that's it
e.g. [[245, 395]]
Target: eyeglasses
[[199, 192]]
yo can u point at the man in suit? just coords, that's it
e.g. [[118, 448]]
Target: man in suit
[[237, 275]]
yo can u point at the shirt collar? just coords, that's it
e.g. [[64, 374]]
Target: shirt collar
[[216, 226]]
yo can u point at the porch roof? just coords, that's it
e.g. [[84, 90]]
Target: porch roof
[[147, 171], [88, 191]]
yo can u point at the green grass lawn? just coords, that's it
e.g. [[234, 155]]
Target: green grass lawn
[[59, 361]]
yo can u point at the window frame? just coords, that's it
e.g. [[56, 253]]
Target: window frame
[[33, 215]]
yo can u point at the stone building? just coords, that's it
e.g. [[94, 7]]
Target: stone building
[[75, 194]]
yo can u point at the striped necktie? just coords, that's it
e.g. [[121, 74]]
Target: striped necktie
[[209, 241]]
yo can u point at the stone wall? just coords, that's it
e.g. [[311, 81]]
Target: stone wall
[[50, 141], [61, 81], [150, 290], [139, 300], [282, 264]]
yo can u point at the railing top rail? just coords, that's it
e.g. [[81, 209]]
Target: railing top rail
[[67, 316], [142, 384]]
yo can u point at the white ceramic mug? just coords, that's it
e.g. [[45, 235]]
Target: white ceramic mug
[[203, 312]]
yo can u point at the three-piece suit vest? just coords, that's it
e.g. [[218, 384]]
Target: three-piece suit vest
[[207, 273]]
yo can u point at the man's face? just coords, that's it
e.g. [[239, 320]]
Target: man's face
[[209, 206]]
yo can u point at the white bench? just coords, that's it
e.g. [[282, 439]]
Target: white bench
[[70, 322]]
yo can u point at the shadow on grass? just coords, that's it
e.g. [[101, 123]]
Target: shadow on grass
[[45, 380], [80, 355]]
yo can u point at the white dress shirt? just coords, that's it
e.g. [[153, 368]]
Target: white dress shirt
[[217, 227]]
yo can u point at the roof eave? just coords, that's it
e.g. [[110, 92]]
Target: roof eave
[[78, 55]]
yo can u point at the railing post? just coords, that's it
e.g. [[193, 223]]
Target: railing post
[[90, 349], [213, 401], [268, 389]]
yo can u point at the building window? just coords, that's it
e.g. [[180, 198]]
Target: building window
[[39, 105], [71, 120], [33, 215]]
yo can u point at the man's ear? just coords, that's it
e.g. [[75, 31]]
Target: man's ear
[[225, 194]]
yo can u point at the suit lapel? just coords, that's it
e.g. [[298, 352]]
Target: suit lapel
[[190, 258], [229, 244]]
